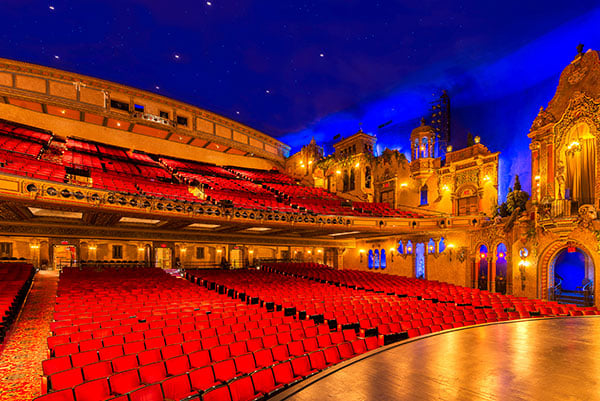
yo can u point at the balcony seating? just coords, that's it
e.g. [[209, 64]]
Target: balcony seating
[[15, 280]]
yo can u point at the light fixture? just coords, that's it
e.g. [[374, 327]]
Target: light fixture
[[184, 250], [477, 139], [92, 247], [392, 253], [309, 252], [219, 250], [338, 172], [482, 255], [309, 162], [573, 145], [251, 251], [486, 178], [446, 188], [319, 251], [140, 249], [361, 253], [63, 111], [118, 124], [537, 177], [34, 246], [449, 148], [403, 185], [430, 248], [357, 165]]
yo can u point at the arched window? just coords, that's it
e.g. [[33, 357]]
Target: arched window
[[370, 258], [420, 261], [376, 259], [400, 248], [352, 180], [483, 268], [431, 246], [367, 177], [424, 195], [409, 248], [424, 147], [346, 180], [441, 245], [382, 261]]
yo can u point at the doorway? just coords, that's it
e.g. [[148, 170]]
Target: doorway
[[501, 268], [163, 258], [483, 268], [573, 277], [64, 255], [236, 257]]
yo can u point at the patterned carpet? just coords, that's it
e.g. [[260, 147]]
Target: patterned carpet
[[25, 346]]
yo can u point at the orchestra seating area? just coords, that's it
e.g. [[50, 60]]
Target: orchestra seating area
[[133, 333], [38, 154], [15, 281]]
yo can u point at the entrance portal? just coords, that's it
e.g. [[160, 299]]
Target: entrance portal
[[64, 255], [163, 258], [573, 277]]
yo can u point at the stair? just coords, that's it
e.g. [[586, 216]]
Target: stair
[[573, 297]]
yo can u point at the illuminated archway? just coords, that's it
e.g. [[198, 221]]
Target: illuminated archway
[[483, 268], [501, 268]]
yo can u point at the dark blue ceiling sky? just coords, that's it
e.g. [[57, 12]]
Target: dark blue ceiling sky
[[298, 69]]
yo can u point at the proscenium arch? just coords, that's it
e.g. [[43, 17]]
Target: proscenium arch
[[550, 253]]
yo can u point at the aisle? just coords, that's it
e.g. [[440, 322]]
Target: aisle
[[25, 348]]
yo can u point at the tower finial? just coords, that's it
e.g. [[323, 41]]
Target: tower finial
[[422, 121], [580, 49]]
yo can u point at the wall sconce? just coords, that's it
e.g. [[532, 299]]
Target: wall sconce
[[251, 251], [309, 252], [450, 251], [34, 246], [92, 247], [361, 252], [403, 185], [140, 249], [357, 165], [409, 249], [183, 250], [219, 250], [430, 248], [319, 251], [392, 253], [523, 264], [338, 172], [446, 188]]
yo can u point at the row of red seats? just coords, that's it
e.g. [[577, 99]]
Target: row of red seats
[[15, 280], [21, 131], [13, 163], [22, 146]]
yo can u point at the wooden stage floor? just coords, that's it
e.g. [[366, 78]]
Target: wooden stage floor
[[536, 359]]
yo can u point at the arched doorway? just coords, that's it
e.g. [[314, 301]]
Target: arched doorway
[[420, 261], [483, 268], [501, 269], [572, 275]]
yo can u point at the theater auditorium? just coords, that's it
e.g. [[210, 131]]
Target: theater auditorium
[[151, 249]]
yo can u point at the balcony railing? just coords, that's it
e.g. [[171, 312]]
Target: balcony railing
[[152, 118]]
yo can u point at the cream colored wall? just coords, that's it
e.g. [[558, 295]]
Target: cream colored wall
[[67, 127]]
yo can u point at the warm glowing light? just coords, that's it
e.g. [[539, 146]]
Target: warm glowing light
[[92, 247], [537, 177], [451, 246], [141, 249], [403, 185], [319, 251], [392, 249], [524, 263], [338, 172], [422, 147], [118, 124], [430, 248], [573, 144], [477, 139], [446, 188], [251, 251], [309, 162], [409, 249], [33, 246], [357, 165], [501, 255], [63, 111], [183, 250], [482, 255], [219, 250], [449, 148], [309, 252], [361, 251], [486, 178]]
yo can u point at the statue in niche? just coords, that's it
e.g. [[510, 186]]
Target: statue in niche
[[560, 178]]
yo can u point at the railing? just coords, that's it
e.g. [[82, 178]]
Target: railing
[[153, 118], [561, 208], [555, 290]]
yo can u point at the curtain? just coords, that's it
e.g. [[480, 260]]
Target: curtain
[[581, 172]]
